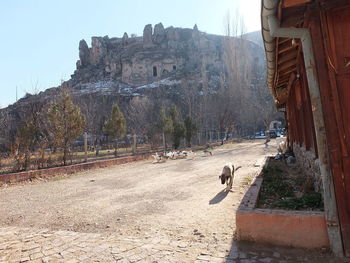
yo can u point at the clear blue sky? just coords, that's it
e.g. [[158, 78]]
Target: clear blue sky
[[39, 38]]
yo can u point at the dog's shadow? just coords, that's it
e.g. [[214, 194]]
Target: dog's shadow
[[219, 197]]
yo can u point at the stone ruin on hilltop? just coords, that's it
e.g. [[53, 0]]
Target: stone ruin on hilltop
[[159, 53]]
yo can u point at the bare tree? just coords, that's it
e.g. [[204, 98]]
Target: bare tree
[[140, 113], [4, 119], [31, 133], [95, 111], [246, 93]]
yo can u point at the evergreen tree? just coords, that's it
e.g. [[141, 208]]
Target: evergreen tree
[[165, 126], [66, 123], [24, 142], [178, 126], [116, 126], [190, 129]]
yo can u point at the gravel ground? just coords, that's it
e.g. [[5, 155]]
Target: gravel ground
[[142, 199]]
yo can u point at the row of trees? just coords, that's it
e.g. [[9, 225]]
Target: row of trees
[[56, 124], [170, 125]]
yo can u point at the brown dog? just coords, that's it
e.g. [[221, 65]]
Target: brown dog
[[227, 175]]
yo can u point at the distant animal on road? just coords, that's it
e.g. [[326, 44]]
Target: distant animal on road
[[177, 154], [181, 154], [207, 151], [159, 158], [282, 147], [227, 175]]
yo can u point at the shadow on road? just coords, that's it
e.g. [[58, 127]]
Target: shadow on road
[[218, 197]]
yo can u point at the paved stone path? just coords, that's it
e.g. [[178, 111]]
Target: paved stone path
[[41, 246]]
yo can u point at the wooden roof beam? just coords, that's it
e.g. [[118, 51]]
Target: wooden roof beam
[[282, 86], [282, 40], [283, 81], [284, 77], [286, 48], [287, 57], [293, 3], [287, 72], [286, 65]]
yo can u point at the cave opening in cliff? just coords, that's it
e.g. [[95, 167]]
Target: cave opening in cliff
[[154, 71]]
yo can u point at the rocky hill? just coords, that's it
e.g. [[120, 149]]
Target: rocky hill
[[165, 66], [255, 37]]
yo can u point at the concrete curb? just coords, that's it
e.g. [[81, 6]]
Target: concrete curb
[[69, 169], [303, 229]]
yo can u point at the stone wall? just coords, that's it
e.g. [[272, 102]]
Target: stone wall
[[308, 162]]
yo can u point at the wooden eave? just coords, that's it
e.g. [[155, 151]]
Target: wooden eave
[[291, 14]]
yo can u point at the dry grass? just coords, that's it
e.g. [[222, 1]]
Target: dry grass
[[288, 188]]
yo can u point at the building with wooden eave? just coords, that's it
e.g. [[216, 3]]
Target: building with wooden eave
[[307, 44]]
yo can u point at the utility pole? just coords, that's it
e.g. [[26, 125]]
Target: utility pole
[[85, 146], [164, 145], [134, 144], [16, 94]]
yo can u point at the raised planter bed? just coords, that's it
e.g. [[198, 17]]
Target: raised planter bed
[[304, 229]]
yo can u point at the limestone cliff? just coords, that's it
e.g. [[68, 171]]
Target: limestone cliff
[[158, 54]]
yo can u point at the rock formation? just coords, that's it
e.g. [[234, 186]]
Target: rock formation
[[143, 60], [147, 36], [84, 54]]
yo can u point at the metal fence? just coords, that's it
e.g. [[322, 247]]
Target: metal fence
[[92, 148]]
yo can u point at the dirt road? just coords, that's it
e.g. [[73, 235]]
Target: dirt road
[[139, 212], [139, 199]]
